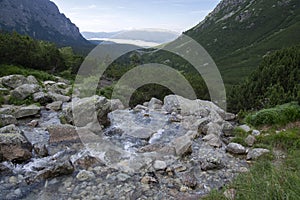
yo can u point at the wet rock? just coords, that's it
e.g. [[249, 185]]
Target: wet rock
[[56, 106], [230, 194], [59, 97], [235, 148], [4, 170], [246, 128], [212, 164], [213, 140], [253, 154], [142, 133], [84, 175], [7, 120], [189, 179], [250, 140], [63, 133], [13, 145], [27, 111], [159, 165], [87, 161], [150, 148], [182, 145], [40, 150], [24, 91], [42, 98], [155, 104], [14, 81]]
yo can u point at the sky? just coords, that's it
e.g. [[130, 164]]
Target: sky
[[116, 15]]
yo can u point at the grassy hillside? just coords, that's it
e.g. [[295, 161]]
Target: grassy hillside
[[237, 36]]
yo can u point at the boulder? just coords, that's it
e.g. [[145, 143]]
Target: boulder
[[86, 161], [116, 104], [24, 91], [159, 165], [40, 150], [245, 127], [256, 132], [253, 154], [56, 106], [212, 164], [235, 148], [213, 128], [14, 81], [182, 145], [7, 120], [142, 133], [155, 104], [42, 98], [250, 140], [213, 140], [63, 133], [32, 80], [227, 129], [27, 111], [13, 145], [59, 97]]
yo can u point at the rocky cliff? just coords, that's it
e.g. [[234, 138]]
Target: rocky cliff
[[40, 19]]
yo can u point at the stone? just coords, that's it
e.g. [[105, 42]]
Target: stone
[[86, 161], [159, 165], [13, 180], [245, 127], [227, 129], [40, 150], [42, 98], [14, 81], [56, 105], [182, 145], [189, 180], [142, 133], [116, 104], [155, 104], [253, 154], [256, 132], [235, 148], [63, 133], [214, 128], [13, 145], [139, 108], [27, 111], [213, 140], [212, 164], [33, 123], [7, 120], [84, 175], [24, 91], [32, 80], [230, 194], [59, 97], [123, 177], [250, 140], [148, 179]]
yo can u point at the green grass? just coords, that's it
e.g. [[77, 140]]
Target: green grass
[[6, 70], [279, 115]]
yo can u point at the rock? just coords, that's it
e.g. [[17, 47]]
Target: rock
[[24, 91], [63, 133], [256, 132], [32, 80], [7, 120], [139, 108], [42, 98], [142, 133], [4, 170], [214, 128], [40, 150], [147, 179], [33, 123], [27, 111], [155, 104], [56, 106], [84, 175], [123, 177], [189, 179], [246, 128], [59, 97], [250, 140], [53, 166], [227, 129], [230, 194], [159, 165], [13, 145], [87, 161], [48, 83], [235, 148], [213, 140], [182, 145], [116, 104], [253, 154], [14, 81], [212, 164], [13, 180]]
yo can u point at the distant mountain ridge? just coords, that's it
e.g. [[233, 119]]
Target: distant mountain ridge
[[239, 33], [39, 19]]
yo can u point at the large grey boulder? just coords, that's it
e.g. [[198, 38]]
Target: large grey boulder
[[213, 140], [56, 105], [63, 133], [42, 98], [27, 111], [155, 104], [59, 97], [13, 145], [24, 91], [182, 145], [7, 120], [236, 148], [14, 81]]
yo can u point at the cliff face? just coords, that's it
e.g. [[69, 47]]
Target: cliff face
[[40, 19]]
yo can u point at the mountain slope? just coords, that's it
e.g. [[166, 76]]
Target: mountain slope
[[238, 33], [39, 19]]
